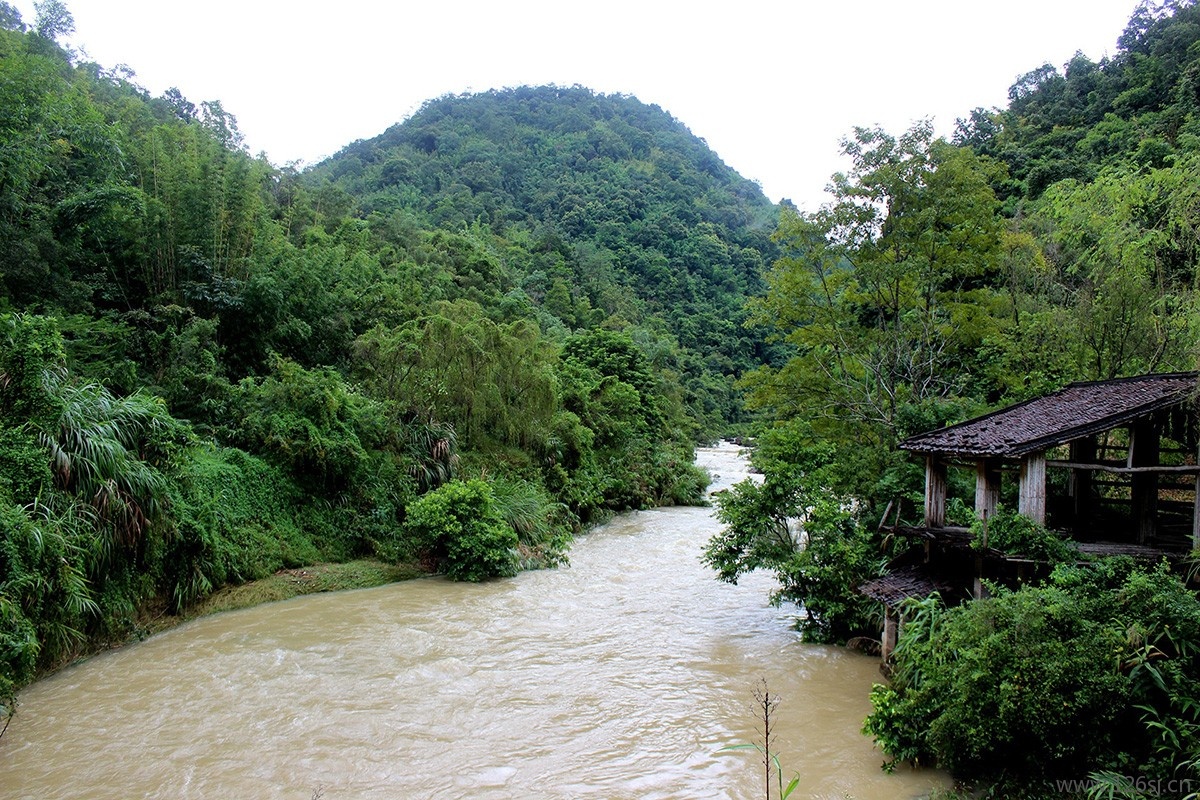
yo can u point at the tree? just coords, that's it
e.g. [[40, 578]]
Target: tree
[[53, 20], [1123, 255], [793, 525], [10, 18], [883, 295], [492, 383]]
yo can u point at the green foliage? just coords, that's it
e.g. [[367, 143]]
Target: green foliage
[[459, 528], [312, 423], [1017, 535], [839, 554], [997, 690], [30, 360], [493, 383], [235, 518], [24, 467], [539, 522], [53, 20], [879, 300], [109, 453], [759, 529], [791, 524], [615, 409], [610, 387], [1118, 240], [46, 602], [560, 307], [597, 207]]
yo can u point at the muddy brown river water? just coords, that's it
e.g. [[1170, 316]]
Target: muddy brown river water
[[620, 676]]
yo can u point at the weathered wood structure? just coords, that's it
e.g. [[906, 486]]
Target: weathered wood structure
[[1112, 465]]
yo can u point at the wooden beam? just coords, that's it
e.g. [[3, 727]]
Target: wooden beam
[[1164, 469], [1032, 500]]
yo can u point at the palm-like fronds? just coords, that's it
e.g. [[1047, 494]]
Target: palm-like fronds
[[101, 449], [526, 507], [45, 580], [431, 448]]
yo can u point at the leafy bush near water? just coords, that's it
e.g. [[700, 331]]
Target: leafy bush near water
[[458, 527], [1097, 670], [108, 502], [791, 524], [538, 521]]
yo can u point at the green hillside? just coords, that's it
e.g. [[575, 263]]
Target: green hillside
[[454, 346], [627, 216]]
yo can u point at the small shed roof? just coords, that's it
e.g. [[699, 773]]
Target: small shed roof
[[1080, 409], [900, 584]]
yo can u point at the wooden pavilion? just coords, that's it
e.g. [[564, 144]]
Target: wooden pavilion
[[1111, 465]]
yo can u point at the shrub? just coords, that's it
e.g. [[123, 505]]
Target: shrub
[[999, 690], [234, 520], [823, 577], [458, 527], [539, 522], [312, 423], [1010, 532], [45, 600]]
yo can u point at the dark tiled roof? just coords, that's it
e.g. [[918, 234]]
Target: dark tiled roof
[[900, 584], [1081, 409]]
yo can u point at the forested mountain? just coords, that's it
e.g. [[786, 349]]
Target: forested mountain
[[626, 214], [454, 345]]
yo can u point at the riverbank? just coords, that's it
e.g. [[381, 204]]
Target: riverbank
[[283, 585]]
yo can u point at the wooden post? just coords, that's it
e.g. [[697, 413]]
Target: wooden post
[[1196, 517], [1032, 500], [891, 631], [987, 487], [1144, 452], [1196, 511], [977, 585], [935, 492], [1083, 451]]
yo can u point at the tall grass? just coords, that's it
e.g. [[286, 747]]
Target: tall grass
[[540, 522]]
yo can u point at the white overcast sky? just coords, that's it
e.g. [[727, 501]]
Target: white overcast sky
[[772, 86]]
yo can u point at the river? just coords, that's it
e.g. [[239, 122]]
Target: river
[[620, 676]]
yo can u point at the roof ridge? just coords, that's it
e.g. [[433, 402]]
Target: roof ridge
[[1057, 417]]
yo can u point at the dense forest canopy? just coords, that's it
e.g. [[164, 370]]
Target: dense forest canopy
[[1050, 241], [454, 345], [627, 214]]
